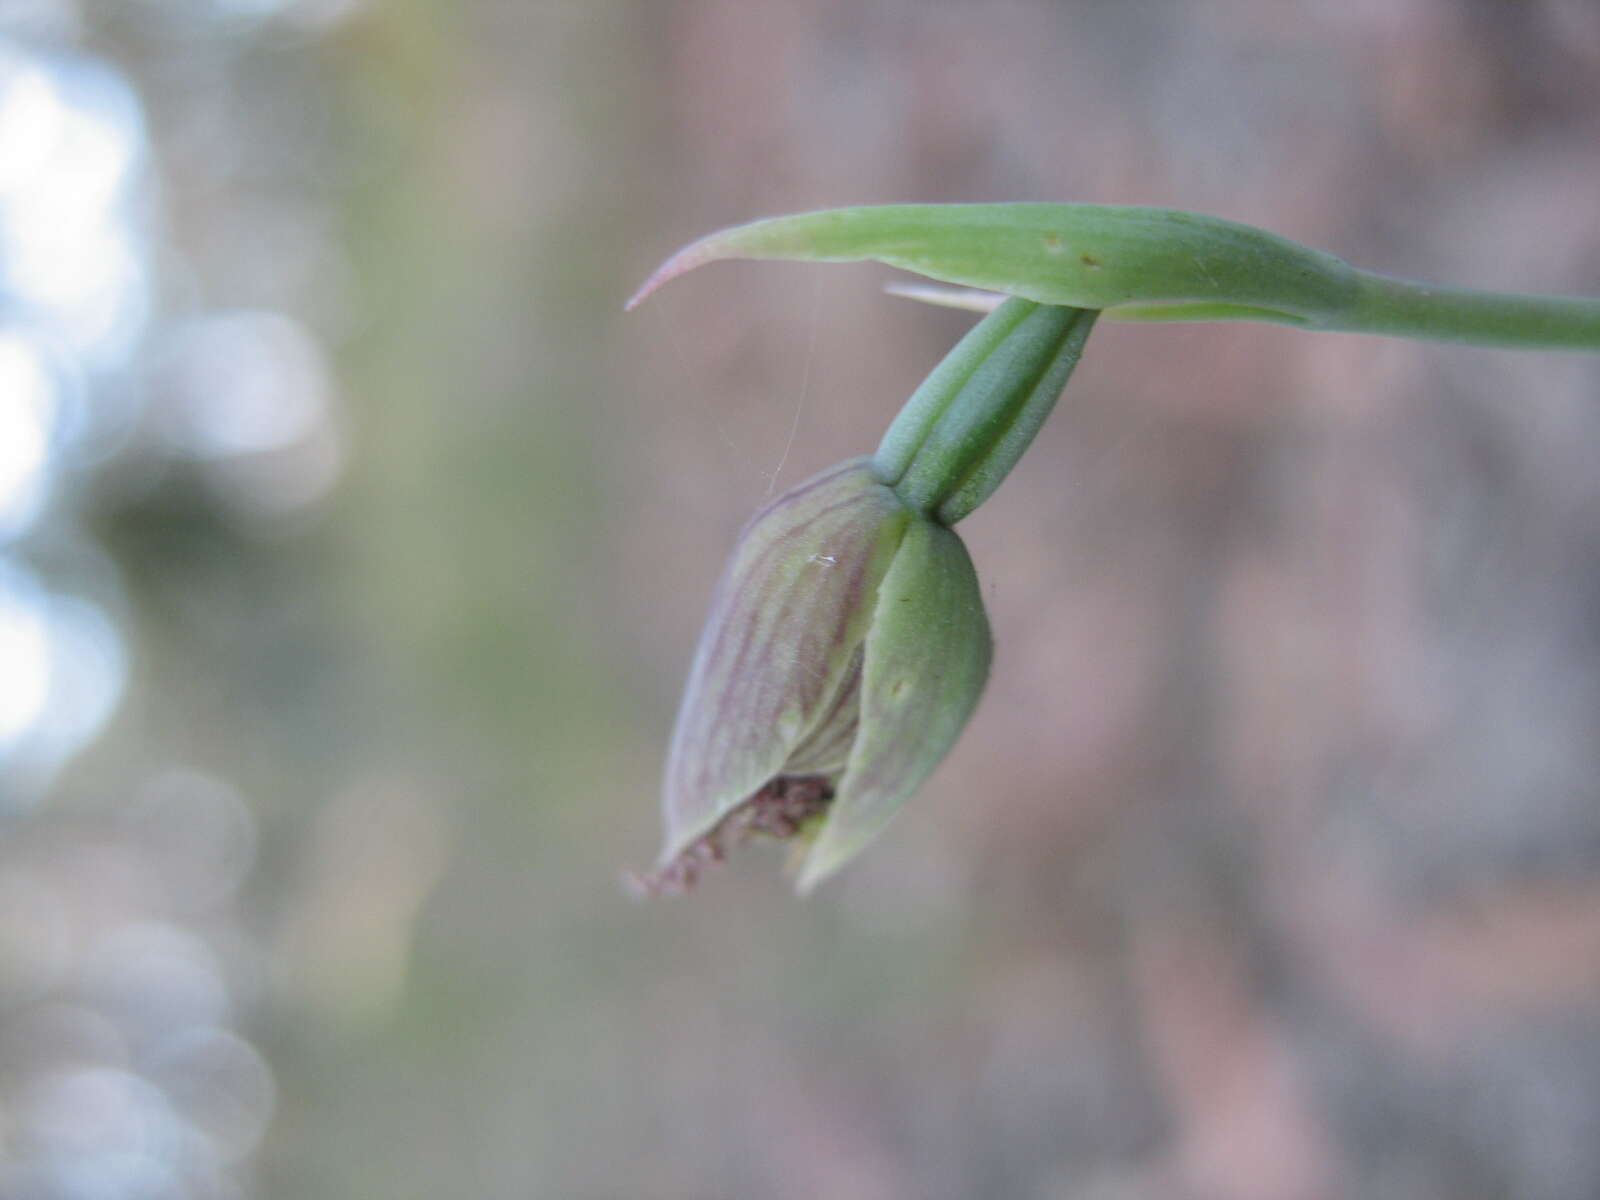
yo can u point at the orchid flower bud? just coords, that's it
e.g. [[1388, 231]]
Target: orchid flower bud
[[846, 647], [847, 643]]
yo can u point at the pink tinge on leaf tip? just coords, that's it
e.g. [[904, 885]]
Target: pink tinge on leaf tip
[[695, 254]]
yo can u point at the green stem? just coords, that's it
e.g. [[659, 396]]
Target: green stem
[[964, 429], [1401, 308]]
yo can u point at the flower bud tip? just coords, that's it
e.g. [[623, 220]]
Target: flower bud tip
[[783, 808]]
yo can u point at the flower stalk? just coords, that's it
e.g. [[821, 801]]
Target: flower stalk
[[969, 423]]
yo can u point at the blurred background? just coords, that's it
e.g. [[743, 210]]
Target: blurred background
[[353, 546]]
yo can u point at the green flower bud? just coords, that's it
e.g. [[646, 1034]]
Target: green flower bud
[[846, 648]]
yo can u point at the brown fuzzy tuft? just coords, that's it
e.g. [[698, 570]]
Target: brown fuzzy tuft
[[779, 809]]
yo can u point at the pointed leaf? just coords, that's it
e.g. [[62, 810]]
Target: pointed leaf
[[1166, 261]]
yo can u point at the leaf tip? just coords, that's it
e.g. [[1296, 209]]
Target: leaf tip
[[695, 254]]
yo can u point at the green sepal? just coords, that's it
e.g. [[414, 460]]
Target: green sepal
[[927, 658]]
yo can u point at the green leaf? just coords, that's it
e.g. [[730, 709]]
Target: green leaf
[[1148, 264], [1081, 255]]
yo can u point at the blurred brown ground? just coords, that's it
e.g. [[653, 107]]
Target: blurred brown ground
[[1270, 866]]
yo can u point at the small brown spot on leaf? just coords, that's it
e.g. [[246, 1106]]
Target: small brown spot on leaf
[[1090, 261]]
